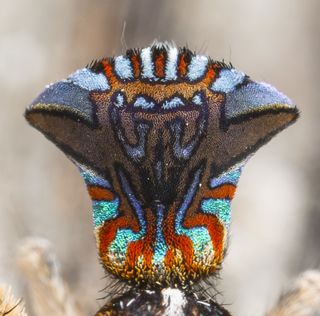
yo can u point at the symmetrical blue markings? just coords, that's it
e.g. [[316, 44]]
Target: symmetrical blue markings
[[142, 103], [175, 102]]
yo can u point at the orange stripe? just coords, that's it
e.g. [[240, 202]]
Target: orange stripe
[[182, 66], [143, 247], [136, 66], [159, 65], [210, 75], [109, 72], [225, 191], [174, 241], [98, 193]]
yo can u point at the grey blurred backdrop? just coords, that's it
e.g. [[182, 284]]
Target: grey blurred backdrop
[[276, 212]]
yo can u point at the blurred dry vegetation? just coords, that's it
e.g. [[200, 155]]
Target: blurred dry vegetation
[[276, 213]]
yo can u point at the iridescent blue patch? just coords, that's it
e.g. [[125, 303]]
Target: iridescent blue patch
[[173, 103], [142, 103]]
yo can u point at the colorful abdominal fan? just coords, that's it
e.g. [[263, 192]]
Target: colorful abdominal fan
[[160, 136]]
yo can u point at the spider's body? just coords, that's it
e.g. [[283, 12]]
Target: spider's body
[[160, 136]]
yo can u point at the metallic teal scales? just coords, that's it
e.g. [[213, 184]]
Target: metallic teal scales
[[219, 207], [104, 210]]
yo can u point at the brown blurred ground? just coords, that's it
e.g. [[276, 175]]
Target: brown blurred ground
[[276, 213]]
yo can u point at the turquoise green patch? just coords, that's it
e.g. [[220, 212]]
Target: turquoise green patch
[[218, 207], [104, 211], [120, 244], [200, 238], [160, 250]]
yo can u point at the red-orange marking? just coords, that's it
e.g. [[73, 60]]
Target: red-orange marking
[[210, 75], [109, 72], [108, 231], [173, 241], [225, 191], [98, 193], [144, 246]]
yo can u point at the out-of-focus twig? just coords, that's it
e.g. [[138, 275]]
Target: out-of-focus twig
[[9, 305], [302, 298], [49, 293]]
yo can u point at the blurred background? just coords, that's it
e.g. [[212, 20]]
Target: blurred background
[[276, 212]]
